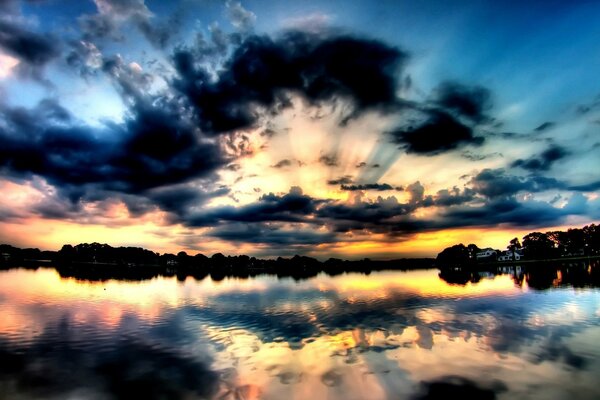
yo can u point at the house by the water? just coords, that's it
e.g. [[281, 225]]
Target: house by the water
[[486, 253], [509, 255]]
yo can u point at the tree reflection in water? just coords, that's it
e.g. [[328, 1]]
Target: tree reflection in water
[[540, 276]]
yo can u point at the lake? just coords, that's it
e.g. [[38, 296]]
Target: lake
[[386, 335]]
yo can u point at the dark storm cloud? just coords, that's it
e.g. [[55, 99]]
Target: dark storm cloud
[[60, 207], [544, 161], [261, 233], [448, 121], [291, 207], [160, 148], [384, 215], [388, 215], [586, 187], [484, 204], [479, 205], [34, 50], [178, 200], [151, 149], [441, 132], [364, 212], [342, 180], [329, 160], [498, 183], [471, 206], [510, 211], [468, 101], [456, 209], [454, 196], [370, 186], [263, 71]]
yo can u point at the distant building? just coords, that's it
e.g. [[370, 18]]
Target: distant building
[[508, 256], [575, 253], [486, 253]]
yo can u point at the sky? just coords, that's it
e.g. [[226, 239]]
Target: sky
[[326, 128]]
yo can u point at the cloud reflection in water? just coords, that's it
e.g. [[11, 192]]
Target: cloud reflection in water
[[387, 335]]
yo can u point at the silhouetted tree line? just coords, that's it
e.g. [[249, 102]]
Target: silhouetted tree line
[[534, 246], [8, 252], [95, 261]]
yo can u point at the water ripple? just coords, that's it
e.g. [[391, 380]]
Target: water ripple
[[349, 337]]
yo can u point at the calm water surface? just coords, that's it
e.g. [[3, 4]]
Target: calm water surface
[[388, 335]]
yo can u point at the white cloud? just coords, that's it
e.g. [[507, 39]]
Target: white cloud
[[7, 63], [311, 22]]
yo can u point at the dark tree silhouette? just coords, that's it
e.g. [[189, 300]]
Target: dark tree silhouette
[[575, 242], [513, 246], [455, 255], [472, 249], [538, 246], [591, 237]]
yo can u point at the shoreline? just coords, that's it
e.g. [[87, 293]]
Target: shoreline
[[519, 262]]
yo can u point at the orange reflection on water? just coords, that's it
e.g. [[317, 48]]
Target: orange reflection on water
[[101, 302], [46, 283], [107, 302], [424, 283]]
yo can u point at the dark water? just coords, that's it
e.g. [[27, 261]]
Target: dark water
[[388, 335]]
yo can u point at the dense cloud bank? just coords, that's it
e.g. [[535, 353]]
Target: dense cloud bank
[[186, 125], [263, 72]]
